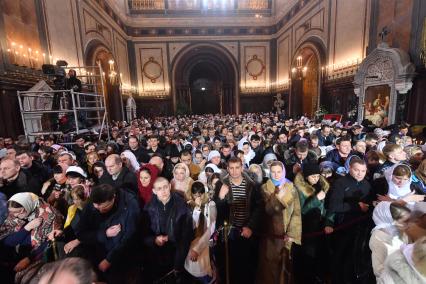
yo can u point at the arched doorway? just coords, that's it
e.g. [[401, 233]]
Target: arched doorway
[[96, 54], [204, 81], [305, 82]]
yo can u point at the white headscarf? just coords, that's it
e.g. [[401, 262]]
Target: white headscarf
[[394, 191], [28, 200], [132, 158], [383, 219]]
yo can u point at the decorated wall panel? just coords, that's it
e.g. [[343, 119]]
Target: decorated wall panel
[[151, 62], [348, 33], [61, 22], [283, 61], [122, 61], [254, 67]]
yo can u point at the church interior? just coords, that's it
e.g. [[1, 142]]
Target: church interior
[[169, 57], [213, 141]]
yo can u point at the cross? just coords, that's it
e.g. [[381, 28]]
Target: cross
[[384, 33]]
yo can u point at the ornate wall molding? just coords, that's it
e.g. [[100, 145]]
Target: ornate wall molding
[[385, 66]]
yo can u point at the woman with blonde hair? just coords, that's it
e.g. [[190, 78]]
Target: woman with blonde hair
[[182, 181], [91, 159]]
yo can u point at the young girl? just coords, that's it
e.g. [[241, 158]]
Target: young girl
[[197, 262]]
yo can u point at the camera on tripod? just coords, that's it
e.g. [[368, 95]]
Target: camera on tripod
[[58, 72]]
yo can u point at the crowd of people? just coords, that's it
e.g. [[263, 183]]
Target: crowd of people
[[253, 198]]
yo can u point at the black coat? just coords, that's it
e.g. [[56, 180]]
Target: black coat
[[174, 220], [311, 158], [23, 183], [125, 180], [92, 227], [345, 194]]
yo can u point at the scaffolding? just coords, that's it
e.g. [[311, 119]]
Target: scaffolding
[[66, 112]]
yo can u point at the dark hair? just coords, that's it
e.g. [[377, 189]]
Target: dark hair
[[14, 204], [371, 136], [346, 138], [198, 187], [46, 149], [255, 137], [88, 145], [356, 160], [302, 146], [145, 169], [79, 268], [185, 153], [102, 193], [22, 152], [235, 160], [57, 169], [398, 210]]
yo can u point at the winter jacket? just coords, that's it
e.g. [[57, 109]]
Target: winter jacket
[[93, 225], [254, 206], [334, 157], [310, 203], [174, 220], [345, 194], [125, 180], [293, 159], [23, 183]]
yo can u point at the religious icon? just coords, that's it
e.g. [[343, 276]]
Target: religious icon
[[376, 105]]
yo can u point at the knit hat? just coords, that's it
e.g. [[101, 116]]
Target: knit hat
[[310, 169]]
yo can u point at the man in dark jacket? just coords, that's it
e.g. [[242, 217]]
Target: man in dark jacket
[[140, 153], [240, 204], [167, 234], [299, 157], [350, 199], [341, 153], [118, 175], [108, 225], [34, 169], [325, 138], [14, 180]]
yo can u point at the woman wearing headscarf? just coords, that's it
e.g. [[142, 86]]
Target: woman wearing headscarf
[[419, 179], [129, 159], [24, 233], [282, 226], [312, 188], [182, 181], [204, 213], [209, 170], [146, 177], [386, 236], [398, 178]]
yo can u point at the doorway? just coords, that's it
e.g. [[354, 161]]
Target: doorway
[[204, 81]]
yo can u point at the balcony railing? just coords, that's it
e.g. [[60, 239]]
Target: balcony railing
[[233, 6]]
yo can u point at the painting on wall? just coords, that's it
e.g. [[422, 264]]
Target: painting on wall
[[376, 104]]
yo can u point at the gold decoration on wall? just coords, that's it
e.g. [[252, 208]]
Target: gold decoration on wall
[[152, 69], [255, 67]]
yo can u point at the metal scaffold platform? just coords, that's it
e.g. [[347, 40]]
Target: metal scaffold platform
[[45, 111]]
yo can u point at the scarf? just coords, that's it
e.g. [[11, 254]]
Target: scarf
[[383, 219], [282, 180], [396, 192], [145, 192], [36, 208]]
